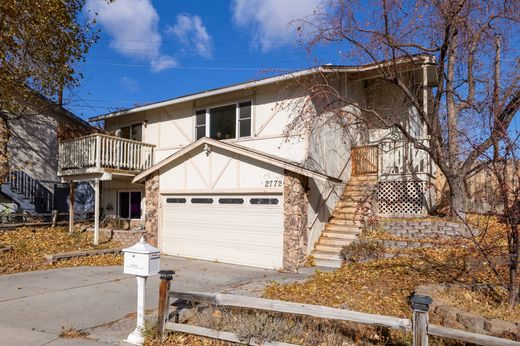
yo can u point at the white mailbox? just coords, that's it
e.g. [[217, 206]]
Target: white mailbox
[[141, 259]]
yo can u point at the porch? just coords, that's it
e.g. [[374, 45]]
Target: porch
[[405, 176], [99, 157]]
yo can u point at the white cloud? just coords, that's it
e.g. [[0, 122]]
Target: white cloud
[[163, 62], [129, 84], [270, 20], [133, 27], [192, 34]]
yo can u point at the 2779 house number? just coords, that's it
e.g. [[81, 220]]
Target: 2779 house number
[[273, 183]]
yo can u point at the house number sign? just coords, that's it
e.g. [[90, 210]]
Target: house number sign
[[273, 183]]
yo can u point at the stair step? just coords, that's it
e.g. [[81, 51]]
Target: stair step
[[351, 215], [347, 203], [327, 263], [350, 221], [354, 229], [342, 235], [326, 255], [334, 241], [348, 210], [329, 247], [351, 200], [362, 188]]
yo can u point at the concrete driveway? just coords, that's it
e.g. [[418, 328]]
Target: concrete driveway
[[34, 306]]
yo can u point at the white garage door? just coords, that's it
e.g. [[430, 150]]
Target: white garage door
[[238, 229]]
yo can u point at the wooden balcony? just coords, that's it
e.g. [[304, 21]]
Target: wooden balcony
[[99, 153]]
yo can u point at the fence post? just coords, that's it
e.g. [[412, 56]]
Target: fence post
[[164, 301], [54, 218], [420, 305]]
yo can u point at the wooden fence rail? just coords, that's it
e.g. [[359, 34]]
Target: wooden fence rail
[[419, 325]]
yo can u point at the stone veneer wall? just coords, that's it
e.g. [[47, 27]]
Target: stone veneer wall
[[295, 220], [151, 192], [453, 317], [126, 238], [426, 229]]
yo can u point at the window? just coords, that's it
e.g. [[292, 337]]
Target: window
[[273, 201], [231, 201], [133, 132], [244, 119], [202, 200], [200, 124], [175, 200], [130, 205], [224, 122]]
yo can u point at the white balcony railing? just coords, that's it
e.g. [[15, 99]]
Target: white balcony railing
[[99, 151], [400, 157]]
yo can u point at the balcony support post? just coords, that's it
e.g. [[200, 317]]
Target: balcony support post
[[96, 211], [98, 151], [71, 207]]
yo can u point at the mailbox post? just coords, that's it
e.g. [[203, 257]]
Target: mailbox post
[[141, 260]]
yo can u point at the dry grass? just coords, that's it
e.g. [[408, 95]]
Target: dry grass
[[30, 244], [175, 339], [73, 333], [383, 286]]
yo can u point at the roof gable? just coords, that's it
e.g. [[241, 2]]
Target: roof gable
[[241, 150]]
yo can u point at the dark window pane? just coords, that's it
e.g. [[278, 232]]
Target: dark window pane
[[245, 110], [135, 205], [137, 132], [264, 201], [200, 131], [175, 200], [125, 132], [202, 200], [124, 201], [231, 201], [201, 117], [222, 122], [245, 127]]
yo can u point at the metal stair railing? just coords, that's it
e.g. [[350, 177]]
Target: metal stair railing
[[31, 189]]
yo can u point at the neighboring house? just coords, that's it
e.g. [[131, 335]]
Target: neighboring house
[[216, 176], [33, 183]]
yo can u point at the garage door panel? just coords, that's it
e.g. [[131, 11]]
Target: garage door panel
[[239, 233]]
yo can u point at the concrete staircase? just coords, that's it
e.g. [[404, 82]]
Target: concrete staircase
[[345, 223]]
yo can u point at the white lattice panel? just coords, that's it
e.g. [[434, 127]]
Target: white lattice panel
[[400, 197]]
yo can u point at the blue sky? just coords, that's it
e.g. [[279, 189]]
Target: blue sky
[[155, 50]]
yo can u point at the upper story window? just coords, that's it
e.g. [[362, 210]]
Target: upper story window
[[133, 132], [224, 122]]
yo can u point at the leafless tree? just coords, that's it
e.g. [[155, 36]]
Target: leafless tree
[[472, 46]]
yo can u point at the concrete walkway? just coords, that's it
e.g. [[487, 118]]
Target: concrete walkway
[[34, 306]]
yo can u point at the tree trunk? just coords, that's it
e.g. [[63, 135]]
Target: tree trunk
[[457, 197], [514, 252], [4, 139]]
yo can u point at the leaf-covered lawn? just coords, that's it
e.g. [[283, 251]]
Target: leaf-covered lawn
[[29, 245], [384, 286]]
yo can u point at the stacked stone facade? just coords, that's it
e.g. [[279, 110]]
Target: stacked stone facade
[[151, 191], [427, 229], [295, 221], [126, 238]]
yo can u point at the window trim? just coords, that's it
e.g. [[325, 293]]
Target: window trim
[[237, 118]]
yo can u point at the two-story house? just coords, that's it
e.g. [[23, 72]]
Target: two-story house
[[32, 182], [216, 175]]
